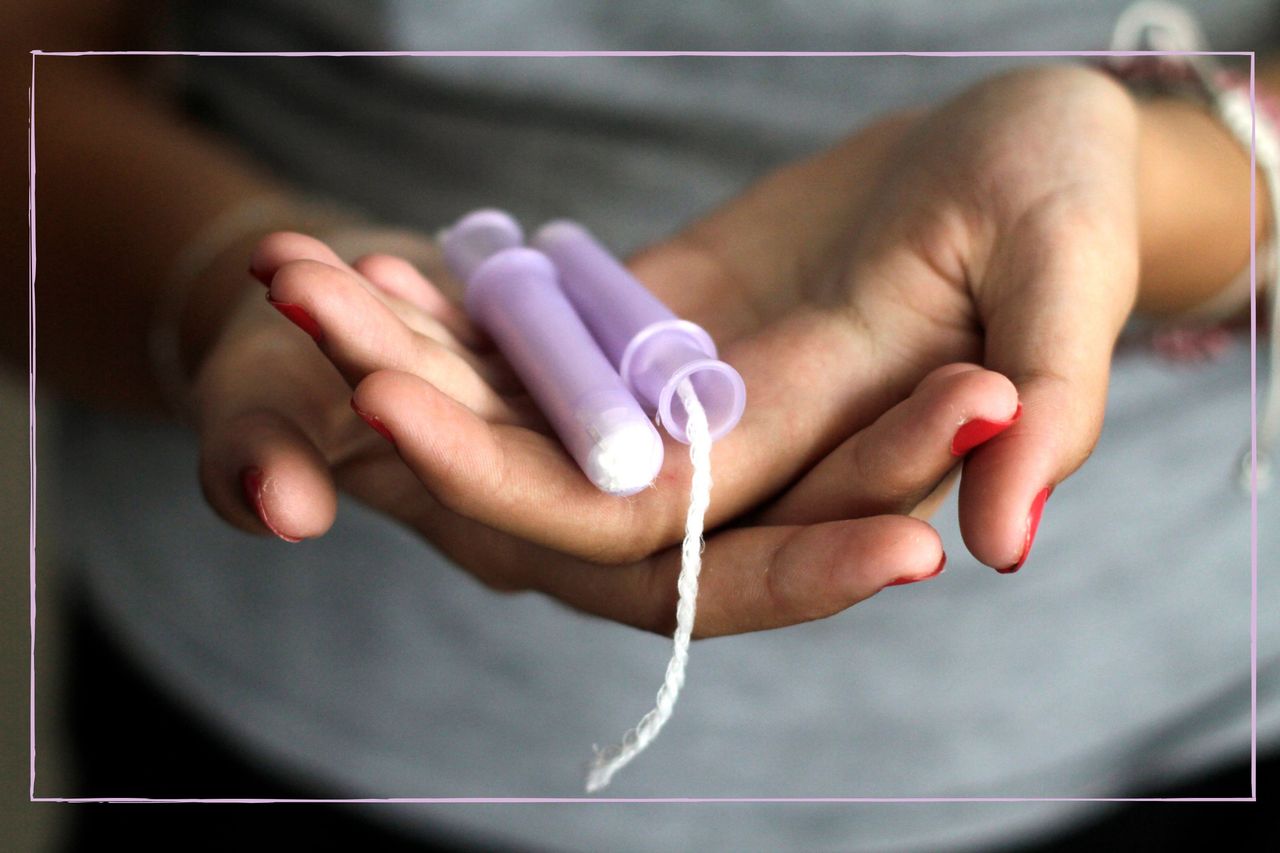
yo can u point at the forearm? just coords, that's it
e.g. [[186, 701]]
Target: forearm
[[1194, 190], [122, 185]]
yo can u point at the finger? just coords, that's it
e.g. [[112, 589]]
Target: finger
[[758, 578], [260, 469], [894, 464], [436, 317], [524, 483], [280, 247], [402, 280], [1055, 342], [752, 579], [397, 279], [511, 478], [360, 334]]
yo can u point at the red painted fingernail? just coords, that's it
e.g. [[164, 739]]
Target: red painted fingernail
[[1033, 523], [251, 480], [373, 421], [298, 316], [262, 278], [933, 574], [975, 432]]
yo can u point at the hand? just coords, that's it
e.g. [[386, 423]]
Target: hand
[[1005, 231], [1000, 228], [273, 405], [835, 353]]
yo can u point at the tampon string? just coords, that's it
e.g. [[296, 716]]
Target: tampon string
[[612, 759], [591, 344]]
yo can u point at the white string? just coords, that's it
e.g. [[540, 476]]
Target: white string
[[612, 759]]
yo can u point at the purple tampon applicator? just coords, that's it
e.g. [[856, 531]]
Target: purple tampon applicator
[[513, 293], [653, 349]]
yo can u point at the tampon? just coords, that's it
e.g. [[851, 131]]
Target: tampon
[[652, 349], [513, 293]]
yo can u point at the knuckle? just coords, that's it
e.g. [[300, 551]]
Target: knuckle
[[792, 602]]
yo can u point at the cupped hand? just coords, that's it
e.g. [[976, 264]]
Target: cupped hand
[[1003, 230], [279, 436], [999, 229], [854, 291]]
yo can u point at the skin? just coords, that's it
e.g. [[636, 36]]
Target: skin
[[891, 266], [1006, 233]]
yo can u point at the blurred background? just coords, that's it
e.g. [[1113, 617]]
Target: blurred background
[[24, 826]]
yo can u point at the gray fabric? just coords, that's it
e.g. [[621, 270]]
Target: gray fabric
[[1118, 657]]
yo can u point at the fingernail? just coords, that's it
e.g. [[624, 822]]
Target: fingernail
[[932, 574], [298, 316], [251, 480], [1033, 522], [975, 432], [373, 421], [262, 278]]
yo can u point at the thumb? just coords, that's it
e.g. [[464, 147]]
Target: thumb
[[1056, 312]]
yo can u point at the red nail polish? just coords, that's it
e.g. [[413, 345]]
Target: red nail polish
[[251, 482], [262, 279], [933, 574], [975, 432], [1033, 523], [298, 316], [373, 421]]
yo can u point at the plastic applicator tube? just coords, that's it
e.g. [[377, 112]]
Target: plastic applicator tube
[[513, 293], [653, 349]]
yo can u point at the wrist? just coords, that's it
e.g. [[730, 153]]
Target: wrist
[[208, 276], [1193, 200]]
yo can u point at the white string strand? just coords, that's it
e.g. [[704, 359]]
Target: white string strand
[[612, 759]]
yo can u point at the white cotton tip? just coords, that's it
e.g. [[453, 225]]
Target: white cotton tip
[[626, 459]]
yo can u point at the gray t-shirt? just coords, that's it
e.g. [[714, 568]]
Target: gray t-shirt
[[1119, 657]]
